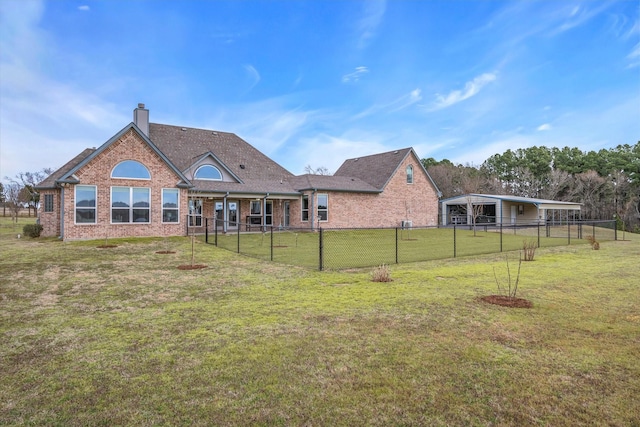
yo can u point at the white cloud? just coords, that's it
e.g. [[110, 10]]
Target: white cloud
[[634, 57], [470, 89], [544, 127], [355, 76], [368, 24], [253, 75], [84, 8]]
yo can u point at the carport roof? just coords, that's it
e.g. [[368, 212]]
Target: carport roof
[[516, 199]]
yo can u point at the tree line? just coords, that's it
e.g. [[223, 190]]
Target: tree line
[[606, 182]]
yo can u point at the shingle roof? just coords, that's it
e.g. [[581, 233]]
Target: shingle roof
[[376, 169], [331, 183], [50, 181], [183, 146]]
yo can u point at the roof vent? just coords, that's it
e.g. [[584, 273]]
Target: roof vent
[[395, 152], [241, 166], [355, 160], [215, 133], [183, 129]]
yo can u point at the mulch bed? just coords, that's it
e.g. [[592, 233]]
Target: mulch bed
[[506, 301], [191, 267]]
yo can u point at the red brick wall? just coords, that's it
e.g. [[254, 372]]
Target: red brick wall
[[98, 172], [417, 202], [50, 221]]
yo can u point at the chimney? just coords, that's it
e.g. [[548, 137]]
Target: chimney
[[141, 118]]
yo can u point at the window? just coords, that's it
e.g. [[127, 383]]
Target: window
[[130, 169], [86, 204], [268, 213], [305, 208], [323, 207], [409, 174], [130, 204], [48, 202], [170, 210], [208, 172], [255, 207]]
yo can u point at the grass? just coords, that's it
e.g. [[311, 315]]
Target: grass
[[120, 336], [370, 247]]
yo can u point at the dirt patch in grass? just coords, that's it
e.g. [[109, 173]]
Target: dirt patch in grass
[[106, 246], [165, 252], [191, 267], [507, 301]]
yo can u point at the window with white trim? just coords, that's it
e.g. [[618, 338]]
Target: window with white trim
[[85, 206], [323, 207], [130, 169], [130, 205], [208, 172], [170, 205]]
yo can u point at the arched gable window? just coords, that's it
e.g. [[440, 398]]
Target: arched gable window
[[130, 169], [409, 174], [208, 172]]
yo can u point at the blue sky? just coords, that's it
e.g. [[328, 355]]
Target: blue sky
[[317, 82]]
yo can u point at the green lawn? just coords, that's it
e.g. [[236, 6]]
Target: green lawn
[[121, 336], [370, 247]]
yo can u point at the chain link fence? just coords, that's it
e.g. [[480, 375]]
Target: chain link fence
[[336, 249]]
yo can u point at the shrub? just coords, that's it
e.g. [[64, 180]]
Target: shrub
[[32, 230], [594, 243], [381, 273], [529, 250]]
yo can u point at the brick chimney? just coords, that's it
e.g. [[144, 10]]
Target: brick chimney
[[141, 118]]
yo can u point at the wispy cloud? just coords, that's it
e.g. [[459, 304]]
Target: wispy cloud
[[401, 103], [84, 8], [471, 88], [355, 76], [543, 127], [253, 75], [634, 57], [367, 25]]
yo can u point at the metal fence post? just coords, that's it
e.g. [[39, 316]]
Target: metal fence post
[[568, 233], [238, 238], [206, 230], [454, 241], [500, 236], [215, 230], [320, 250], [271, 243], [396, 245], [538, 234]]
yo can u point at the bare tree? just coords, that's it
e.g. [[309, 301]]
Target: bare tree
[[13, 199], [321, 170]]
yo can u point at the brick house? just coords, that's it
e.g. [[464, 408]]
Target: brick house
[[160, 180]]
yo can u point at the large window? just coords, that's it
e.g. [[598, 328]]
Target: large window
[[170, 205], [130, 204], [305, 208], [86, 204], [323, 207], [209, 172], [409, 174], [48, 202], [130, 169]]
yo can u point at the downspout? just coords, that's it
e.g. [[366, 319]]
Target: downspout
[[225, 214], [264, 212]]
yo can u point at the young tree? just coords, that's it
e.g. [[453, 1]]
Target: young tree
[[13, 197], [321, 170]]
